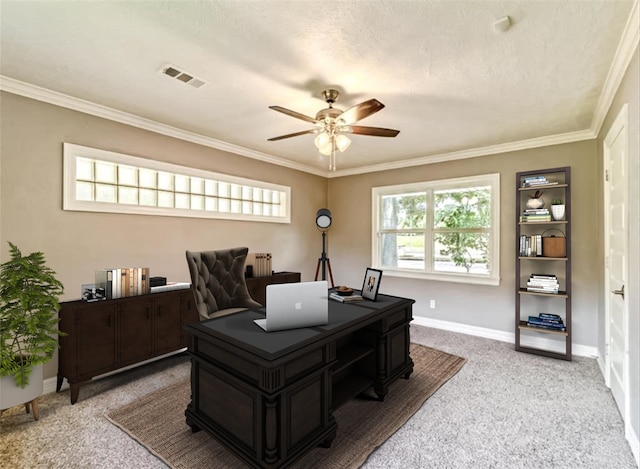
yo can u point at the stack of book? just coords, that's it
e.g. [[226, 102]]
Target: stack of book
[[345, 299], [535, 214], [547, 321], [542, 283], [530, 246], [118, 283], [533, 181]]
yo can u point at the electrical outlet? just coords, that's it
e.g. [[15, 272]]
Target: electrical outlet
[[432, 304]]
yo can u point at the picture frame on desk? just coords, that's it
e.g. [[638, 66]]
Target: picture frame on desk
[[371, 283]]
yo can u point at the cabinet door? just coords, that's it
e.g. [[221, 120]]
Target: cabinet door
[[96, 339], [135, 331], [188, 314], [256, 287], [167, 324]]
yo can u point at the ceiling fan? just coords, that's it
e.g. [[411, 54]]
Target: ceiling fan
[[331, 124]]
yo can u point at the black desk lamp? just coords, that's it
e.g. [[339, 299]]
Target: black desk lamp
[[323, 222]]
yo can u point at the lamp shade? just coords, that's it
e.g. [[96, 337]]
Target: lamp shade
[[323, 218], [342, 142], [322, 140]]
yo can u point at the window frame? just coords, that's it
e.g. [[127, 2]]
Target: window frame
[[71, 152], [429, 187]]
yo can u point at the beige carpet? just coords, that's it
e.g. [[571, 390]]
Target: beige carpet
[[157, 420]]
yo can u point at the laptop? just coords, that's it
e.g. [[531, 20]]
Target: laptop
[[294, 305]]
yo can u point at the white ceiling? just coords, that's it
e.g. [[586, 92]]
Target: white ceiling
[[451, 84]]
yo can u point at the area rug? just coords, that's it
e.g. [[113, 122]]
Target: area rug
[[157, 420]]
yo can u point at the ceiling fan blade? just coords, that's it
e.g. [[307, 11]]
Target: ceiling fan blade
[[295, 114], [360, 111], [374, 131], [310, 131]]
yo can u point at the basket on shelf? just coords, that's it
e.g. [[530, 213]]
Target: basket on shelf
[[552, 245]]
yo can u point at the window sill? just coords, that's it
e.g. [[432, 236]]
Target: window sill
[[444, 277]]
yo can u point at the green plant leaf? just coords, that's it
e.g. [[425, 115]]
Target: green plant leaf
[[29, 293]]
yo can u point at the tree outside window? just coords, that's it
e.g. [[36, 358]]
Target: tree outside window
[[439, 227]]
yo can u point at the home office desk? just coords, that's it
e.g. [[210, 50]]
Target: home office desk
[[269, 397]]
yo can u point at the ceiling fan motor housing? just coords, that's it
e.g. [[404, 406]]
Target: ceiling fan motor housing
[[331, 113]]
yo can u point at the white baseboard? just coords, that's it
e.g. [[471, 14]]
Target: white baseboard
[[634, 443], [502, 336], [50, 383]]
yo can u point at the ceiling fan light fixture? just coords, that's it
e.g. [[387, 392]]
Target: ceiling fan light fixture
[[330, 125], [322, 140], [342, 142], [326, 149]]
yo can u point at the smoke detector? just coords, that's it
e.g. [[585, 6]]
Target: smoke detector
[[502, 24], [185, 77]]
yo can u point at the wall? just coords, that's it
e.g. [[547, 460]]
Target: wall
[[77, 243], [490, 307], [628, 92]]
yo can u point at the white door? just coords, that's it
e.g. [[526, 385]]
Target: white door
[[616, 245]]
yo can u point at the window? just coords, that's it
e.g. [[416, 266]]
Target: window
[[439, 230], [102, 181]]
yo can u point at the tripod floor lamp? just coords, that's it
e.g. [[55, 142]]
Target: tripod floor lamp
[[323, 222]]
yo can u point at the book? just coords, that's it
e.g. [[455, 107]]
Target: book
[[104, 281], [345, 299], [546, 323], [550, 316], [171, 286]]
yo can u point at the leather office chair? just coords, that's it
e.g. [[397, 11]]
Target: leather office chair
[[217, 282]]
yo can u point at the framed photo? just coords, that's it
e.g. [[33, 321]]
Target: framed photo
[[91, 292], [371, 283]]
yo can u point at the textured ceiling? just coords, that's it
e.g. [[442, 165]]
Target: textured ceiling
[[449, 81]]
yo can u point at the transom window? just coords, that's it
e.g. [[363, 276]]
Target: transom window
[[102, 181], [439, 230]]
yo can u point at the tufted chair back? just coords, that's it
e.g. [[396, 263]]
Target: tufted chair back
[[217, 282]]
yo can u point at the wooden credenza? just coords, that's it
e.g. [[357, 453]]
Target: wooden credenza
[[257, 286], [104, 336], [270, 397]]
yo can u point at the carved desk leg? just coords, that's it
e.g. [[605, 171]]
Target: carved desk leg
[[379, 388], [271, 453]]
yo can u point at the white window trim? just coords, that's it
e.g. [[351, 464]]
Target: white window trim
[[72, 151], [493, 278]]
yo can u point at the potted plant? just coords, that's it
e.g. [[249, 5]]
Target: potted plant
[[557, 209], [29, 332]]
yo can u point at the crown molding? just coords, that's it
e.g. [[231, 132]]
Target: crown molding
[[38, 93], [558, 139], [624, 53]]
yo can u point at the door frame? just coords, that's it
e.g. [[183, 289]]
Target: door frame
[[620, 125]]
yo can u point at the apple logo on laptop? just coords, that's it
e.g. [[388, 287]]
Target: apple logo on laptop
[[298, 306]]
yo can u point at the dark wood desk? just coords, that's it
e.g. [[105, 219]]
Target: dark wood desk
[[269, 397]]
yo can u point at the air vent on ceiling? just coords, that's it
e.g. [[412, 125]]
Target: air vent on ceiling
[[185, 77]]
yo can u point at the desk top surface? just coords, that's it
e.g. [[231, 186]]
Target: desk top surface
[[240, 330]]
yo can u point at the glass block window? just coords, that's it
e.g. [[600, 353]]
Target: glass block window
[[102, 181]]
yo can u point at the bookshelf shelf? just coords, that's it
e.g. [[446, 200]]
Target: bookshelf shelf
[[550, 272], [523, 326], [552, 222], [560, 294], [543, 186], [541, 258]]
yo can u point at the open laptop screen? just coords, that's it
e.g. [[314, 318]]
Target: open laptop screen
[[294, 305]]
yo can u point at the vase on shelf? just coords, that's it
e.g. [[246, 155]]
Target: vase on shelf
[[535, 202], [557, 212]]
